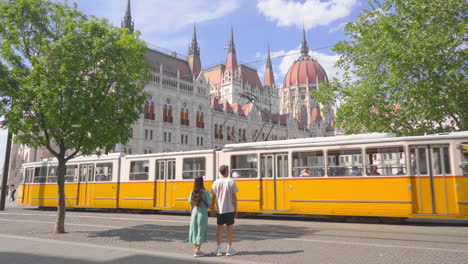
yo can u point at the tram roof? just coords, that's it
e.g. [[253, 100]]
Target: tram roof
[[162, 154], [364, 138]]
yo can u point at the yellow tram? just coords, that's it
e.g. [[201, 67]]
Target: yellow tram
[[359, 175]]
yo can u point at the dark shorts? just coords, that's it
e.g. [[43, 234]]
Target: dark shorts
[[225, 219]]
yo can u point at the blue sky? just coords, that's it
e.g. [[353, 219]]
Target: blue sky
[[169, 24]]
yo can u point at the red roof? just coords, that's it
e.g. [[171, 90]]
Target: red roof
[[305, 70], [170, 64], [213, 75], [250, 76], [231, 62], [195, 65]]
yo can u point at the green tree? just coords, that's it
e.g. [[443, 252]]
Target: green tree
[[405, 69], [79, 81]]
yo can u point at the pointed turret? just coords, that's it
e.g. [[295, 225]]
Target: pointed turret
[[269, 77], [304, 47], [127, 21], [194, 49], [231, 62], [194, 55]]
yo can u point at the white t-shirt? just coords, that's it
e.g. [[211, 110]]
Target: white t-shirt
[[223, 189]]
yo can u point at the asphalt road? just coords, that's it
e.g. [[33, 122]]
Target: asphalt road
[[102, 237]]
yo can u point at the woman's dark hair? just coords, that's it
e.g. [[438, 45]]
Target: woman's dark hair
[[198, 189]]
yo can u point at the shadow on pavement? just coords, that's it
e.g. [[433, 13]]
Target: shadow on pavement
[[164, 233], [10, 257]]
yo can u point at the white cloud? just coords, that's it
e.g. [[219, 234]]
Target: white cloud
[[167, 16], [311, 13], [337, 27], [160, 21]]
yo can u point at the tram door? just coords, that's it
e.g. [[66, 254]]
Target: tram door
[[164, 183], [28, 179], [274, 169], [84, 188], [432, 184]]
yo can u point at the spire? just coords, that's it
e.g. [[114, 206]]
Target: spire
[[304, 47], [231, 62], [269, 77], [194, 49], [194, 55], [232, 47], [268, 63], [127, 21]]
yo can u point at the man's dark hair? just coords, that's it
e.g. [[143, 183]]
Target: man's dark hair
[[223, 169]]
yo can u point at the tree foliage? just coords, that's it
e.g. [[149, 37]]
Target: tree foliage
[[78, 80], [405, 69]]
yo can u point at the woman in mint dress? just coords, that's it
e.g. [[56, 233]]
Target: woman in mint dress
[[200, 200]]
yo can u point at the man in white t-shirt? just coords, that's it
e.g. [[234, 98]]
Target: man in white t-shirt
[[224, 193]]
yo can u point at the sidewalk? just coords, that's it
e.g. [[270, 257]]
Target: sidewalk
[[21, 249]]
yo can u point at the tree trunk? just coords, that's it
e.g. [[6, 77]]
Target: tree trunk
[[60, 223]]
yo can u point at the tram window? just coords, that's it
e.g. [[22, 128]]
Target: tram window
[[103, 172], [464, 165], [418, 160], [342, 168], [281, 166], [171, 170], [440, 160], [193, 168], [308, 164], [139, 170], [70, 173], [244, 166], [40, 174], [27, 175], [52, 175], [160, 170], [386, 161]]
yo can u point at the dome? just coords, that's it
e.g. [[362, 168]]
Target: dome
[[305, 70]]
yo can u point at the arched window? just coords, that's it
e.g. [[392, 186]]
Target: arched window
[[149, 108], [244, 138], [216, 131], [220, 134], [228, 133], [187, 121], [202, 120], [167, 112], [152, 112], [240, 134], [233, 133], [197, 119], [182, 116]]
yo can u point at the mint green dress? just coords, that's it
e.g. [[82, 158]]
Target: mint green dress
[[199, 221]]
